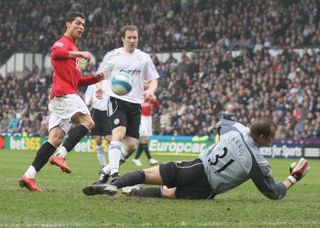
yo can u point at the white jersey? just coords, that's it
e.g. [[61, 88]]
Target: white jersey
[[90, 96], [236, 159], [138, 64]]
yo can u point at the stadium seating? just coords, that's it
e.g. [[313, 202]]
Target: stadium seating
[[192, 92]]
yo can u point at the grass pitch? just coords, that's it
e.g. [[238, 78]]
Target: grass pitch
[[62, 203]]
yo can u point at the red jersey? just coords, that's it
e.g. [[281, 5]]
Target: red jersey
[[66, 71], [146, 107]]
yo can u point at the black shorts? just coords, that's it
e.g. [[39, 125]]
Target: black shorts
[[127, 114], [101, 120], [189, 179]]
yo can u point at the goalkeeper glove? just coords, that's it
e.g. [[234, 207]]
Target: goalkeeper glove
[[293, 164], [298, 170]]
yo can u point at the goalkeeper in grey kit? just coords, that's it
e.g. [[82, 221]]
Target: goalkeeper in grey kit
[[220, 168]]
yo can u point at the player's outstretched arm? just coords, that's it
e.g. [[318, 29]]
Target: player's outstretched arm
[[83, 54], [88, 80], [273, 190], [149, 93], [61, 53]]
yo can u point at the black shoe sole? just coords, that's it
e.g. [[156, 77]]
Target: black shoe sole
[[92, 190]]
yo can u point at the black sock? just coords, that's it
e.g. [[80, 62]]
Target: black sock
[[147, 192], [146, 150], [43, 155], [130, 179], [74, 136], [139, 152]]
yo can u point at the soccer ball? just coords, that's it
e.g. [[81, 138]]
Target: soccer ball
[[121, 83]]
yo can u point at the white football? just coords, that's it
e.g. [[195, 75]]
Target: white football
[[121, 83]]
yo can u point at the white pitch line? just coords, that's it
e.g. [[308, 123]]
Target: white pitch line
[[210, 224]]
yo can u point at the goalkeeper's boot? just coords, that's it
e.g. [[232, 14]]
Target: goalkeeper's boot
[[60, 162], [29, 183], [95, 189], [130, 190], [103, 178]]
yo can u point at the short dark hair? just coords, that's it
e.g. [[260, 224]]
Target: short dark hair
[[71, 16], [261, 126], [128, 28]]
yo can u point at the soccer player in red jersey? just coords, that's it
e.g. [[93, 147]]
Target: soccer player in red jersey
[[65, 106], [145, 129]]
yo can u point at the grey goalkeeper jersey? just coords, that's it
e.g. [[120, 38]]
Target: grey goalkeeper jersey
[[236, 159]]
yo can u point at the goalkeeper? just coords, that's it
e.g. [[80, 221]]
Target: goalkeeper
[[225, 165]]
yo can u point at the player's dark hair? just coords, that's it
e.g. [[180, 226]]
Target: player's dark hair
[[126, 28], [71, 16], [262, 126]]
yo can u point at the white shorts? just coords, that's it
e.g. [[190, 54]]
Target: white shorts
[[145, 126], [62, 110]]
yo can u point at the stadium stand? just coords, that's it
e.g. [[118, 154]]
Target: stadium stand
[[165, 25], [193, 91]]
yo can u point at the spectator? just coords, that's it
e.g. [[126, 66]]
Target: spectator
[[4, 124], [14, 120]]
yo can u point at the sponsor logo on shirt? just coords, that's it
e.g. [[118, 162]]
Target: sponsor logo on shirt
[[131, 72]]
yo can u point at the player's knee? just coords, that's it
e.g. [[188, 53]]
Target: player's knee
[[99, 141], [168, 192], [89, 124], [56, 136], [108, 138], [132, 146], [153, 176]]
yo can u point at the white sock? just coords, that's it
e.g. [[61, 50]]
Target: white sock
[[31, 172], [101, 156], [107, 169], [114, 152], [124, 154], [123, 158], [61, 151]]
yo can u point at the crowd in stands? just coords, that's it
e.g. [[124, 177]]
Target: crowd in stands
[[194, 91], [285, 87], [23, 104], [165, 25]]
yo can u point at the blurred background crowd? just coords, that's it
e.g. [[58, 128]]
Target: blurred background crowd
[[193, 91]]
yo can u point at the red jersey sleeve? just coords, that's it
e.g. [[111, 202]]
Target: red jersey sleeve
[[59, 53], [154, 103], [88, 80]]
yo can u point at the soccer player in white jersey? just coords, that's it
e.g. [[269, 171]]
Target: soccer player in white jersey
[[125, 111], [97, 100], [220, 168]]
